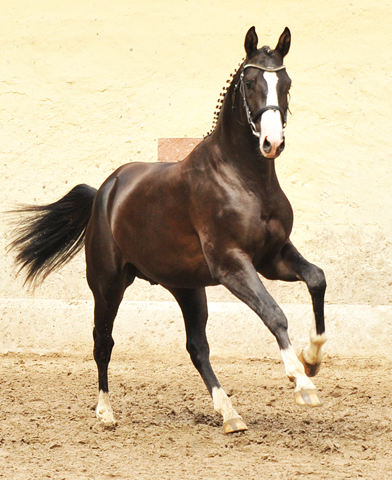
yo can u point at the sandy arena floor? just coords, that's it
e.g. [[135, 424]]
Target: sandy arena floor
[[167, 428]]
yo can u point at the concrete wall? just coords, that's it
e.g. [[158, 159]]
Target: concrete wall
[[89, 85]]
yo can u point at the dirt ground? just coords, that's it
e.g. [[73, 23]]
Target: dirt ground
[[167, 428]]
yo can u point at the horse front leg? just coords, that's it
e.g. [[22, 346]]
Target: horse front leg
[[291, 266], [238, 274], [193, 304]]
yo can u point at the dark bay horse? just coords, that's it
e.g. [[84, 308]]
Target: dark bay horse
[[217, 217]]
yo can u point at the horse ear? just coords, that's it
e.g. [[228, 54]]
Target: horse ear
[[283, 45], [251, 41]]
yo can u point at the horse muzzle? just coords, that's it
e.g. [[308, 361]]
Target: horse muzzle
[[271, 150], [272, 141]]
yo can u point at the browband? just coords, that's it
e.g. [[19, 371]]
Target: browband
[[265, 69]]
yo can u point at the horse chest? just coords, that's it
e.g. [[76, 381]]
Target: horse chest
[[274, 232], [275, 229]]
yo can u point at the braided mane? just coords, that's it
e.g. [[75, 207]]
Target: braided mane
[[221, 99]]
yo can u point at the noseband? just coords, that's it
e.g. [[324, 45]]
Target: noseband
[[253, 118]]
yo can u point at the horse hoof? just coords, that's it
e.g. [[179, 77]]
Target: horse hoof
[[234, 425], [106, 418], [109, 423], [310, 370], [307, 398]]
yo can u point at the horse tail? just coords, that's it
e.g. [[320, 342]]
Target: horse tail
[[48, 236]]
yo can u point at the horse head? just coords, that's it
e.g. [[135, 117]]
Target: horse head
[[264, 85]]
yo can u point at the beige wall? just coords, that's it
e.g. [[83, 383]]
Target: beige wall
[[86, 86]]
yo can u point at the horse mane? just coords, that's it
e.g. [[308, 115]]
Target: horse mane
[[221, 99]]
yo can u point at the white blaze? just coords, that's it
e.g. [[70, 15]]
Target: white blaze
[[271, 123]]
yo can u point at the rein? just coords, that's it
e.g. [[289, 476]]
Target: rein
[[252, 118]]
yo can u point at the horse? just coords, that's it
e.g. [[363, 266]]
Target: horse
[[217, 217]]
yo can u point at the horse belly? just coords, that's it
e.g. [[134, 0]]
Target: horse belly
[[171, 264], [165, 249]]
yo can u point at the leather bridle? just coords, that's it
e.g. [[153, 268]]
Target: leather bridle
[[252, 118]]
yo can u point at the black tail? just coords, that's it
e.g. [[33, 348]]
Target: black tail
[[50, 235]]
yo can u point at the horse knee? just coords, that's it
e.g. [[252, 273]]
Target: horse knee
[[276, 322], [316, 281]]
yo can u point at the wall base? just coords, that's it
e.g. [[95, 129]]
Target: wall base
[[43, 326]]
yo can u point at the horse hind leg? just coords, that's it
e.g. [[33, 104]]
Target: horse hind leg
[[193, 305], [105, 311], [108, 288]]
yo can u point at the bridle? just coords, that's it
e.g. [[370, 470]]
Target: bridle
[[252, 118]]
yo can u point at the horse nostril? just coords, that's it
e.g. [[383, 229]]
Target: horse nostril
[[267, 146], [281, 147]]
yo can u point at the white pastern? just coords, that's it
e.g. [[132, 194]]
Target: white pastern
[[313, 352], [271, 123], [295, 370], [104, 411], [223, 405]]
